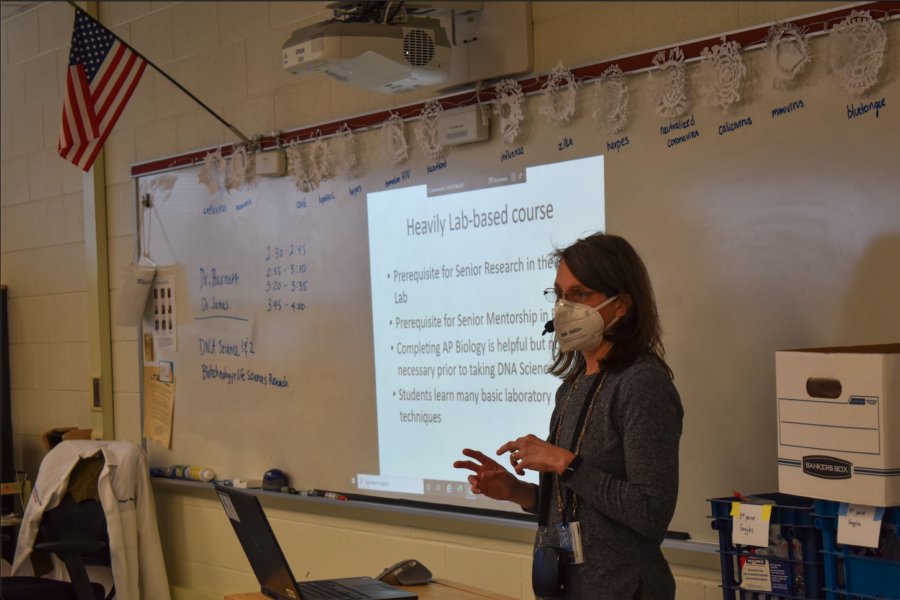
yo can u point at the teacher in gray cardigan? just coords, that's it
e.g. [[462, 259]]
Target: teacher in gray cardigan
[[609, 466]]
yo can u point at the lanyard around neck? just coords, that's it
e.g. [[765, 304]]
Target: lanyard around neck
[[547, 478]]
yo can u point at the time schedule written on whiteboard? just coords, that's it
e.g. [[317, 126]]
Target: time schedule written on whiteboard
[[458, 311], [238, 296]]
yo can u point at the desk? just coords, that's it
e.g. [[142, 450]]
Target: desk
[[436, 590]]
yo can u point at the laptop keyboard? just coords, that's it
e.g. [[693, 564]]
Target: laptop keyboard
[[325, 590]]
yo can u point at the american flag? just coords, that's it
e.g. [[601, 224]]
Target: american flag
[[103, 73]]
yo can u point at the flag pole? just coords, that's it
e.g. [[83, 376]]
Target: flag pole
[[231, 127]]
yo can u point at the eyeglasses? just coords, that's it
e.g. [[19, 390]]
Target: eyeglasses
[[576, 295]]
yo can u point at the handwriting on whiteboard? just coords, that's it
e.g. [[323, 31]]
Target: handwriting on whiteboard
[[213, 279], [215, 210], [507, 154], [734, 125], [232, 376], [240, 348], [404, 176], [617, 145], [854, 111], [783, 110], [437, 166]]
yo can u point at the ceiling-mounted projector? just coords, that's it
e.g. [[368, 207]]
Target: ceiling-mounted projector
[[379, 57]]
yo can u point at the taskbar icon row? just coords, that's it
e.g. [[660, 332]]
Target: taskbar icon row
[[449, 489], [413, 485]]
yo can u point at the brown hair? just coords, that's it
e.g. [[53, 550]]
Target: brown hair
[[608, 264]]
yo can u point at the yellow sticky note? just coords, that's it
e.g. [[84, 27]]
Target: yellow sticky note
[[735, 509], [767, 512]]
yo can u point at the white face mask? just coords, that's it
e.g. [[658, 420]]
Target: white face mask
[[579, 326]]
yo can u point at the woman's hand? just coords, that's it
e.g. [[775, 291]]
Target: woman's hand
[[531, 452], [494, 481]]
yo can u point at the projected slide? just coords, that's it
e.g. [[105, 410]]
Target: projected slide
[[458, 311]]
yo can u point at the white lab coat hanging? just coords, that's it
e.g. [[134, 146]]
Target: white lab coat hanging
[[127, 500]]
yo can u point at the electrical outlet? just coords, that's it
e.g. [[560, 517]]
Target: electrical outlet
[[96, 397]]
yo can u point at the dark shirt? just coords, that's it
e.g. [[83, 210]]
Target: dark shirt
[[627, 485]]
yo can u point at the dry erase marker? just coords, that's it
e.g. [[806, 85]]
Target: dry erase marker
[[332, 495], [194, 473]]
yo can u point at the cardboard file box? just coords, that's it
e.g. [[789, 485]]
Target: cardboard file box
[[839, 423]]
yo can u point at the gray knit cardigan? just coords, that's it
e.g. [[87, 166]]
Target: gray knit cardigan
[[627, 485]]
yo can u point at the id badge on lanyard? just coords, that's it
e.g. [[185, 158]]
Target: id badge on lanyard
[[570, 533], [570, 541]]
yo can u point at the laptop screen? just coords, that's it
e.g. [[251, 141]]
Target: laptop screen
[[259, 543]]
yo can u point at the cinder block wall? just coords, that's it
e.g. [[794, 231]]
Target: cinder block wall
[[42, 240], [227, 54]]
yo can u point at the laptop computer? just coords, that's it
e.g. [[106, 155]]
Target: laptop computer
[[272, 570]]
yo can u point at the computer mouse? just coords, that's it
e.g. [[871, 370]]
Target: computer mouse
[[406, 572]]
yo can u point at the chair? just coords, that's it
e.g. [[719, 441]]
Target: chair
[[76, 532], [125, 494], [59, 434]]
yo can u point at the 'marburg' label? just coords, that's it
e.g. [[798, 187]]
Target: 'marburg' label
[[826, 467]]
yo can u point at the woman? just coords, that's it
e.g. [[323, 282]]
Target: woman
[[620, 482]]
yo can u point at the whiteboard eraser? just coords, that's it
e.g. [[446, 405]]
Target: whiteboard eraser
[[271, 163], [248, 484]]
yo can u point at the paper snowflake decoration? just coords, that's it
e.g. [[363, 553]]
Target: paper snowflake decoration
[[509, 106], [159, 187], [241, 173], [789, 53], [558, 97], [394, 148], [667, 84], [343, 152], [427, 131], [319, 160], [610, 106], [299, 168], [857, 52], [721, 72], [213, 173]]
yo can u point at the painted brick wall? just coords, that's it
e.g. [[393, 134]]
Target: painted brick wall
[[42, 241]]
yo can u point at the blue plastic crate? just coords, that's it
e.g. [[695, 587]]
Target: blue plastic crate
[[864, 576], [794, 514]]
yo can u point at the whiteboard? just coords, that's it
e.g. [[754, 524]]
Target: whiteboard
[[781, 233]]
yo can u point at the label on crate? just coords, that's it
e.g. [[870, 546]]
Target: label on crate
[[761, 575], [750, 524], [859, 525]]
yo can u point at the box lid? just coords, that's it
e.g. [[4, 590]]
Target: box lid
[[873, 349]]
